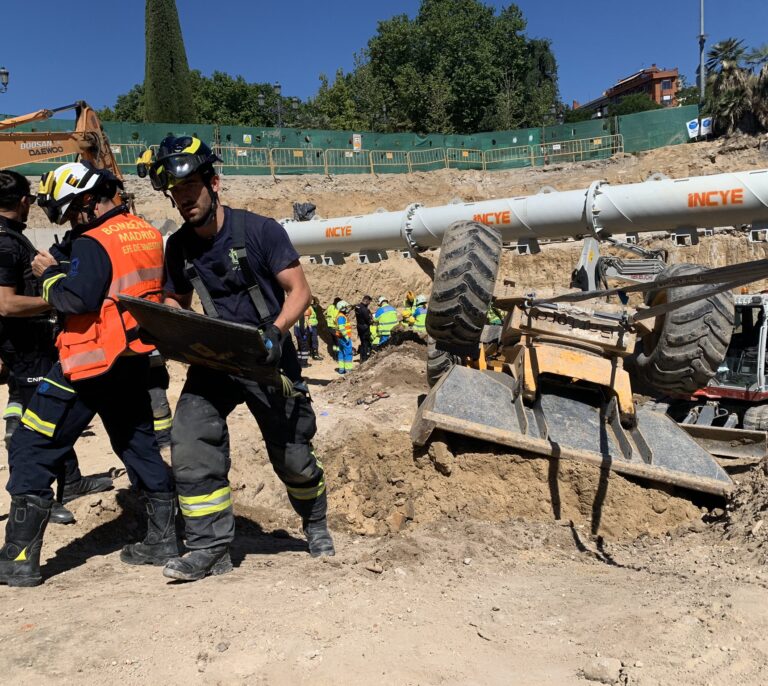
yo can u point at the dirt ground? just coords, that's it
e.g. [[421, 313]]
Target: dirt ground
[[459, 564]]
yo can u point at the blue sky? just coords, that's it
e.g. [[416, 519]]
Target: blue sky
[[94, 50]]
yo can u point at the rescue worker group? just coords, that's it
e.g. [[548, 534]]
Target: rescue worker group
[[68, 345]]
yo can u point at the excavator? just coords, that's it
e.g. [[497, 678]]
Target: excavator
[[88, 140]]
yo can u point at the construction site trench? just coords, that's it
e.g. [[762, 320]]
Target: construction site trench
[[458, 563]]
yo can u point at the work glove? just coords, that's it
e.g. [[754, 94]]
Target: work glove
[[273, 342]]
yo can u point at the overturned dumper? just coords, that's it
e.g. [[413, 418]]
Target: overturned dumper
[[557, 378]]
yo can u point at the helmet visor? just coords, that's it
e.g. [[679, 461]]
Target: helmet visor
[[168, 171]]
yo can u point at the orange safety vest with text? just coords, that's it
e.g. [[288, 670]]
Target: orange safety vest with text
[[91, 342]]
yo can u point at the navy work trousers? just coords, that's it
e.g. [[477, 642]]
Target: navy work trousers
[[61, 410]]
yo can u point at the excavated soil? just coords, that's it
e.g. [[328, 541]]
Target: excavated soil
[[462, 563]]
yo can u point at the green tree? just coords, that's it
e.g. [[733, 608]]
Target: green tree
[[637, 102], [129, 106], [571, 115], [167, 83], [460, 63]]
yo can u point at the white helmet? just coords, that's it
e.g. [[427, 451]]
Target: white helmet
[[342, 306], [420, 300], [58, 188], [382, 300]]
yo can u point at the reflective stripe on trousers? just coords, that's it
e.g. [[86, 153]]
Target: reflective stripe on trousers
[[209, 503]]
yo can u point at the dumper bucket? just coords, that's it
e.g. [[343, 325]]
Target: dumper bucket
[[734, 448], [567, 421]]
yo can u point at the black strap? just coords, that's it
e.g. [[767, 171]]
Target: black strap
[[238, 245], [237, 217]]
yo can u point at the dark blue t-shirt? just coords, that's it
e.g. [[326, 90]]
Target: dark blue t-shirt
[[269, 251]]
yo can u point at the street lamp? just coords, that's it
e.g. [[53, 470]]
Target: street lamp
[[278, 109], [4, 74]]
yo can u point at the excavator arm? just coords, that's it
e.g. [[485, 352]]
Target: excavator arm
[[87, 140]]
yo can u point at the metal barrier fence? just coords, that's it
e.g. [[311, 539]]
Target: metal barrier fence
[[389, 162], [509, 158], [464, 158], [245, 159], [297, 161], [426, 160], [348, 161]]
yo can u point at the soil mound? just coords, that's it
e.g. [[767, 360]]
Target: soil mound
[[747, 511], [381, 484]]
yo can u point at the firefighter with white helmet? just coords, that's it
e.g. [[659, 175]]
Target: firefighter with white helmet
[[103, 368]]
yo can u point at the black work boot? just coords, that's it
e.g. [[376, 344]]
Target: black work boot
[[60, 514], [86, 485], [197, 564], [315, 524], [160, 543], [20, 556], [319, 538]]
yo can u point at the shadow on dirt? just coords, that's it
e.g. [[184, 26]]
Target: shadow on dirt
[[130, 525]]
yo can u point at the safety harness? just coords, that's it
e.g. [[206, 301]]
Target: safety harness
[[237, 219]]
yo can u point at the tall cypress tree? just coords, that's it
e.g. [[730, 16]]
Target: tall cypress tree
[[167, 84]]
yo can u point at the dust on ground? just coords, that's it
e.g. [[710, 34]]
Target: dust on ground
[[458, 564]]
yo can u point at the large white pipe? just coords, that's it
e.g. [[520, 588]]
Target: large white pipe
[[655, 205]]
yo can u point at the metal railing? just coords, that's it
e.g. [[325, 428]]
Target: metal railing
[[509, 158], [389, 162], [464, 158], [426, 160], [247, 159], [297, 160], [350, 161]]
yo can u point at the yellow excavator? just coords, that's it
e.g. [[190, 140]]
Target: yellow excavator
[[88, 140]]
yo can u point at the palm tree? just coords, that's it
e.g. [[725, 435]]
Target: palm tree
[[731, 87], [757, 57], [725, 55]]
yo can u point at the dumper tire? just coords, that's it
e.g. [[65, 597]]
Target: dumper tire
[[439, 362], [688, 344], [756, 418], [463, 287]]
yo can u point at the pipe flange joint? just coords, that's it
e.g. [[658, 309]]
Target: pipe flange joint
[[592, 211], [410, 212]]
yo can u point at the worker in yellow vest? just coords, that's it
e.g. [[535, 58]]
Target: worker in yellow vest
[[311, 315], [344, 336], [406, 312], [385, 319], [331, 312], [420, 314]]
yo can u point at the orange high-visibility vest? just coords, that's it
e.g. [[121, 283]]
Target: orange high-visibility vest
[[90, 343], [343, 326]]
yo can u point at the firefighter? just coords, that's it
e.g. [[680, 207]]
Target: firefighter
[[344, 337], [159, 379], [102, 369], [420, 314], [385, 319], [27, 333], [262, 285]]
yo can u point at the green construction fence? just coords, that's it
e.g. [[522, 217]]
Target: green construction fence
[[265, 150]]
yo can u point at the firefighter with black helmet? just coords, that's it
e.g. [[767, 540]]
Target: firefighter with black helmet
[[103, 368], [245, 269]]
